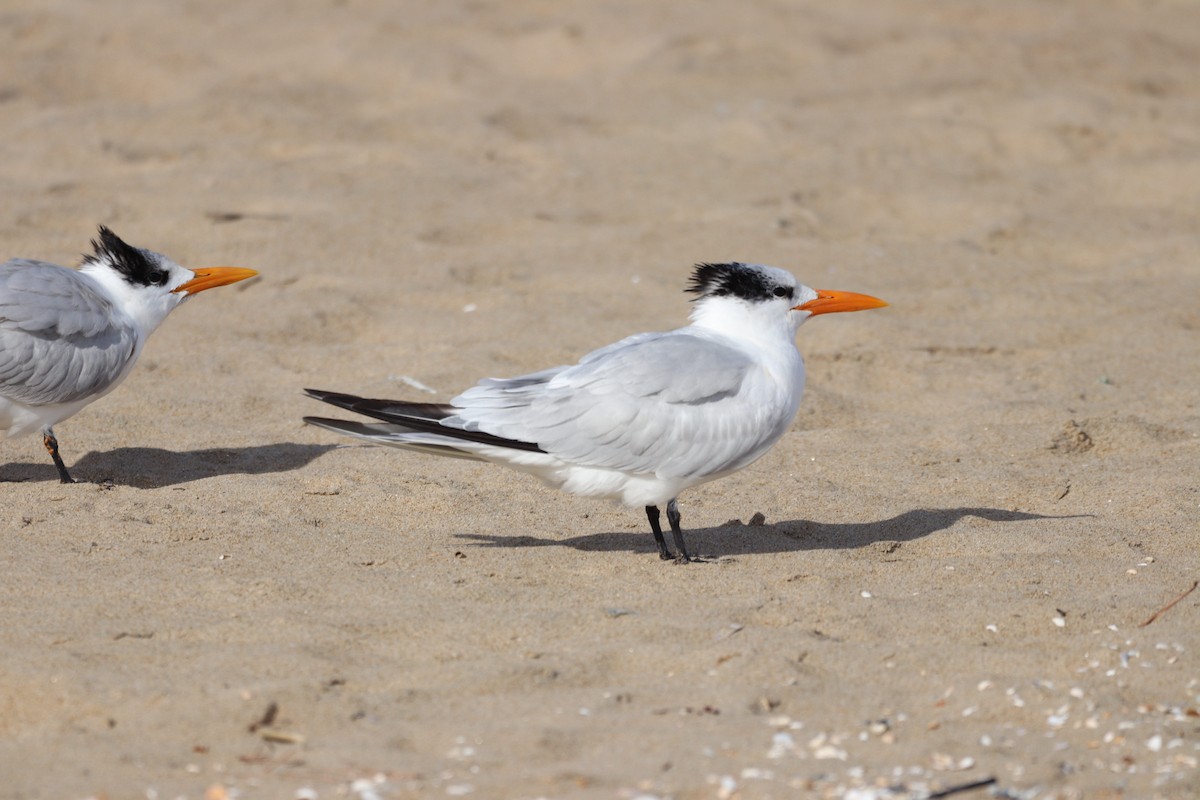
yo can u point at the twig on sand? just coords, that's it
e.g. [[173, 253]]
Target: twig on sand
[[1169, 605], [962, 787], [267, 719]]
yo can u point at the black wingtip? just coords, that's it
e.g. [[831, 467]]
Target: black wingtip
[[362, 430], [413, 417], [339, 399]]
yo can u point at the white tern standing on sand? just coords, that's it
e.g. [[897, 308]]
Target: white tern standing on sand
[[68, 337], [643, 419]]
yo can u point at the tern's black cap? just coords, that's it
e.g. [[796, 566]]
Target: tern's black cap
[[140, 267], [750, 282]]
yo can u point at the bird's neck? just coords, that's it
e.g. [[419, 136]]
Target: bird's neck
[[768, 336], [744, 321]]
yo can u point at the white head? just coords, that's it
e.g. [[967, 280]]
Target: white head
[[734, 295], [148, 285]]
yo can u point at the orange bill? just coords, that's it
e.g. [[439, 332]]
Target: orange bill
[[829, 301], [211, 277]]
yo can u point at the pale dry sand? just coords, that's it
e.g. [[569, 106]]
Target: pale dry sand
[[990, 485]]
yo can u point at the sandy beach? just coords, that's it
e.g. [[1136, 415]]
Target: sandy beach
[[967, 545]]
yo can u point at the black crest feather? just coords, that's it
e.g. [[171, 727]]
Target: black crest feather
[[735, 279], [137, 265]]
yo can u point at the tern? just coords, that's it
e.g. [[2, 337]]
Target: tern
[[644, 418], [70, 336]]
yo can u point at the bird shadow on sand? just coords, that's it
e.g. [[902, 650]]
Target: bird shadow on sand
[[154, 468], [782, 537]]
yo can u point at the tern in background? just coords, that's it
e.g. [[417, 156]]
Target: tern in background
[[68, 337], [643, 419]]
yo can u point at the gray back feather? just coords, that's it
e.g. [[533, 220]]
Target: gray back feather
[[667, 404], [59, 340]]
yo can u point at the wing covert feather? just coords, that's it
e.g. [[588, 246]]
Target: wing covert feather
[[59, 339], [670, 404]]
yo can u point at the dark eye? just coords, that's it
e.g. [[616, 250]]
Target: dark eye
[[158, 277], [781, 291]]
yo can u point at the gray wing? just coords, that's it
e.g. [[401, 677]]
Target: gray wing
[[669, 404], [59, 338]]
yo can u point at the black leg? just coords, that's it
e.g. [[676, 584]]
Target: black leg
[[652, 514], [52, 448], [673, 517]]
